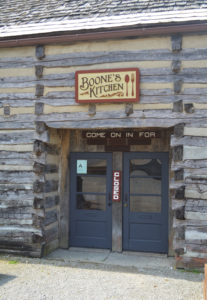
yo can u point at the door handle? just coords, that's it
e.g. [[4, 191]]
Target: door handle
[[109, 199]]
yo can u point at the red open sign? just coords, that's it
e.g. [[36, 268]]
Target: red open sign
[[116, 186]]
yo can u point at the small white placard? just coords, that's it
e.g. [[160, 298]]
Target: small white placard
[[81, 166]]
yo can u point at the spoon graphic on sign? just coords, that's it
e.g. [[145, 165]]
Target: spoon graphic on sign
[[127, 81]]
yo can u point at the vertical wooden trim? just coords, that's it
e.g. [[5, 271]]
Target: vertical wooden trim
[[117, 209]]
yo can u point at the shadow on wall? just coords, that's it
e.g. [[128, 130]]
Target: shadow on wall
[[5, 278]]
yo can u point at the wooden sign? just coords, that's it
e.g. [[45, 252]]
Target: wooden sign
[[120, 134], [109, 85], [116, 186]]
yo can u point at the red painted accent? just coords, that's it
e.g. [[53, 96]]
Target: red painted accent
[[116, 186], [137, 85]]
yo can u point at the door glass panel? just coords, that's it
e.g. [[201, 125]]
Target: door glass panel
[[145, 167], [96, 166], [145, 179], [91, 184], [92, 202], [145, 185], [145, 204]]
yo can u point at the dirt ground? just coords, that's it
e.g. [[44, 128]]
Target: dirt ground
[[42, 279]]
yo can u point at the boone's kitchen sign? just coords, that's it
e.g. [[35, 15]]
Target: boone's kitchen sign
[[109, 85]]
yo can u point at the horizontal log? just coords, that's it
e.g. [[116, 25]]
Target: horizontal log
[[189, 141], [4, 221], [189, 164], [115, 123], [89, 58], [19, 118], [196, 233], [18, 231], [120, 114], [17, 96], [191, 131], [35, 253], [195, 215], [17, 137], [190, 262], [194, 152], [17, 125], [195, 174], [16, 246], [16, 197], [195, 91], [16, 177], [196, 191], [10, 155]]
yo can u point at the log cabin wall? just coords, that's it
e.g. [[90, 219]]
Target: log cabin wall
[[37, 94]]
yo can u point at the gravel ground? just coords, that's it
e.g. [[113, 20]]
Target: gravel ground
[[35, 279]]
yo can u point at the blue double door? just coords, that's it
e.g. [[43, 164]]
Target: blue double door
[[144, 200]]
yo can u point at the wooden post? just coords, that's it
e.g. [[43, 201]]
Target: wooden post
[[117, 210]]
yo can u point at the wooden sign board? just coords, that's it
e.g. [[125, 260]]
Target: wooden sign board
[[116, 186], [120, 134], [109, 85]]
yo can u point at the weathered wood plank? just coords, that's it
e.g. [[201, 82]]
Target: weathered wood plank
[[9, 156], [16, 177], [189, 164], [196, 191], [17, 147], [191, 131], [138, 117], [190, 141], [194, 152], [18, 118], [17, 125], [17, 96], [17, 137]]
